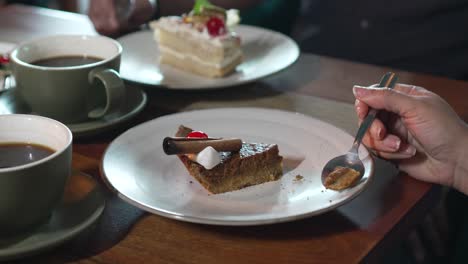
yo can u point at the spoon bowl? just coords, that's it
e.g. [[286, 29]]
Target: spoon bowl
[[351, 159]]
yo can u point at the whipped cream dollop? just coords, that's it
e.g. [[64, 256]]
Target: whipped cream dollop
[[208, 158], [232, 17]]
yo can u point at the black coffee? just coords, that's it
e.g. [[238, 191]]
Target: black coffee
[[66, 61], [18, 153]]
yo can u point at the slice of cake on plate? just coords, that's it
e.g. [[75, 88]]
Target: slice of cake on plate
[[224, 165], [201, 41]]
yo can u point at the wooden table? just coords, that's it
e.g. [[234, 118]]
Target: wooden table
[[318, 86]]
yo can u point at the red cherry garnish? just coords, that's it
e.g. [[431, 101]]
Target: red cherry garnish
[[215, 26], [4, 59], [197, 134]]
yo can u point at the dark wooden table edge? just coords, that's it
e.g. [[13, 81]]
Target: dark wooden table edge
[[400, 231]]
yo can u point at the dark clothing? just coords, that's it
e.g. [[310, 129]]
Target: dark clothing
[[42, 3], [428, 36], [278, 15]]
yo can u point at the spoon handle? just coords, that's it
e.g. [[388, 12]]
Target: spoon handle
[[388, 80]]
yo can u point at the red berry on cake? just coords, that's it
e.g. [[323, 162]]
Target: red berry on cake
[[4, 59], [197, 134], [216, 27]]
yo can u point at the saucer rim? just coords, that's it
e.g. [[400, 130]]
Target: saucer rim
[[93, 127], [104, 125], [52, 240], [97, 126]]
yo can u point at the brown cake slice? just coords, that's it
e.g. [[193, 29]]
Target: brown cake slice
[[254, 164]]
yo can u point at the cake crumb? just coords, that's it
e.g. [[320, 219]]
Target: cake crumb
[[298, 178]]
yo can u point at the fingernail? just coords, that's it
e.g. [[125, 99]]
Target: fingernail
[[380, 133], [410, 150], [360, 91], [359, 112], [396, 144]]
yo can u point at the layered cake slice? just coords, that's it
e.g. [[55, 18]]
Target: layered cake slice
[[200, 42], [218, 170]]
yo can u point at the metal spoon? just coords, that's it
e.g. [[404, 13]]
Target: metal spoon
[[351, 159]]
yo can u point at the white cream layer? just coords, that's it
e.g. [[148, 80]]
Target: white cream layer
[[226, 61]]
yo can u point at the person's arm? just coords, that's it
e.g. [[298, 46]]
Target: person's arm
[[106, 20], [68, 5]]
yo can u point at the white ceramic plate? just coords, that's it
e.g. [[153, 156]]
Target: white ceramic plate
[[265, 52], [139, 171]]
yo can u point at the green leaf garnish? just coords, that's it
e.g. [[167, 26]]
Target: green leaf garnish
[[199, 4]]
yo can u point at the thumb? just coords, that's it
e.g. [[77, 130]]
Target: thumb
[[385, 98]]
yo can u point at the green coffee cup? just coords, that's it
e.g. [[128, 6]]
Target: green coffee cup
[[31, 186], [70, 78]]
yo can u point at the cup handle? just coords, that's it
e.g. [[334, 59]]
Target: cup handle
[[6, 81], [115, 91]]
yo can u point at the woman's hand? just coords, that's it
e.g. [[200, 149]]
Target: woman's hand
[[419, 130]]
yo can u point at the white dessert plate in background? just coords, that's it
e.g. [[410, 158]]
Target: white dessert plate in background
[[265, 52], [136, 168]]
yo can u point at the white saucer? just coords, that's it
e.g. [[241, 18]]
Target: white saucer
[[82, 206], [135, 101]]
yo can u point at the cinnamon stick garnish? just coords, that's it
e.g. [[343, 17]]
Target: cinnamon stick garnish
[[181, 145]]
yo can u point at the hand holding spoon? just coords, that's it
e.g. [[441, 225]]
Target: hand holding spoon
[[344, 171]]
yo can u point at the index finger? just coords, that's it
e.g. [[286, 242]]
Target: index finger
[[407, 89]]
